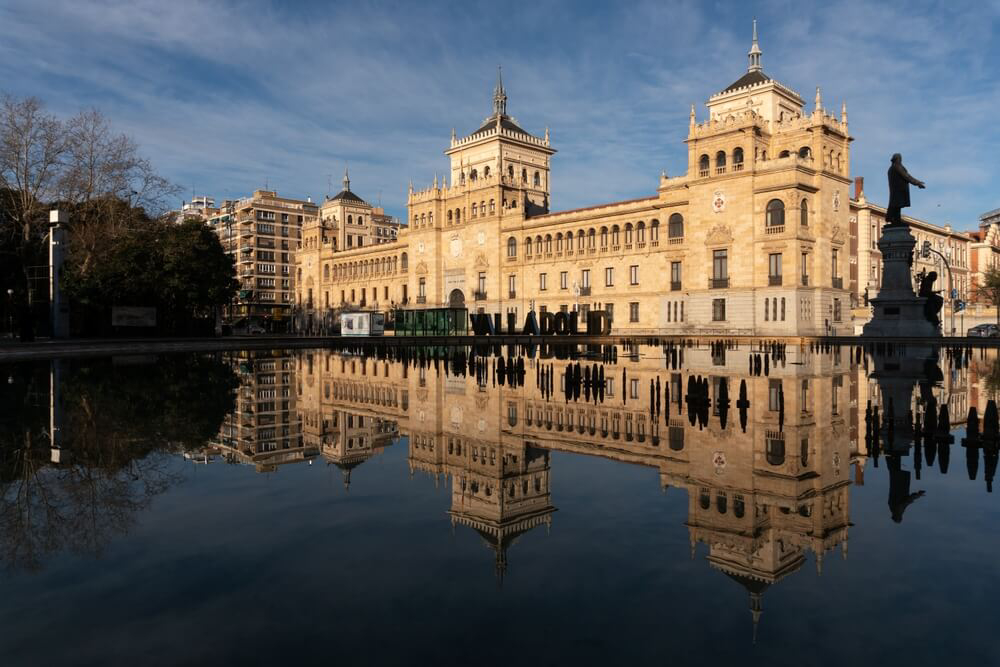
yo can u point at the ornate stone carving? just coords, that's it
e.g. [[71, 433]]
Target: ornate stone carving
[[481, 262], [421, 268], [720, 234], [837, 234]]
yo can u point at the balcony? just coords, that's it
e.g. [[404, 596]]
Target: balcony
[[512, 294], [675, 240], [421, 299], [675, 286], [838, 283], [720, 170], [703, 173], [585, 290], [774, 229], [774, 281], [738, 166], [479, 295], [805, 280], [718, 283]]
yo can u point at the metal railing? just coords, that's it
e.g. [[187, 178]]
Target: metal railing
[[675, 286], [838, 283], [774, 281], [718, 283]]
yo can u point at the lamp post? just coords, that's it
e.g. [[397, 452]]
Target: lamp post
[[10, 311]]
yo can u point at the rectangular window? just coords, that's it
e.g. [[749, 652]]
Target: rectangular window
[[633, 388], [675, 276], [633, 311], [718, 310], [609, 386], [512, 285], [564, 280], [585, 277], [720, 264], [542, 280], [774, 265], [422, 288], [774, 395], [835, 268], [609, 277], [482, 281], [805, 268], [836, 310], [633, 274], [609, 308]]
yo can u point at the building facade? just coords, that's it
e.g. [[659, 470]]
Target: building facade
[[262, 233], [753, 239]]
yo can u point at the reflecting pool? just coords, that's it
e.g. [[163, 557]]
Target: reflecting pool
[[682, 503]]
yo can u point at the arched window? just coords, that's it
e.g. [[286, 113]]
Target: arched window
[[458, 215], [475, 209], [486, 172], [615, 236], [720, 162], [510, 171], [654, 231], [512, 247], [804, 213], [449, 217], [493, 205], [559, 242], [402, 262], [775, 213], [430, 218], [350, 219], [592, 238], [326, 272], [461, 178], [721, 502], [569, 241], [783, 154], [628, 234], [548, 243], [675, 226], [739, 508], [524, 175], [640, 233], [416, 219], [527, 247], [703, 164], [538, 245], [580, 240], [804, 453], [604, 238], [737, 159], [805, 152], [538, 179], [767, 308], [704, 499], [473, 175]]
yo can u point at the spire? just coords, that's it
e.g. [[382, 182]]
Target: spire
[[755, 611], [819, 100], [347, 180], [755, 52], [692, 116], [843, 113], [499, 96]]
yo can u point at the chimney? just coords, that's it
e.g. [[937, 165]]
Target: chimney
[[859, 186]]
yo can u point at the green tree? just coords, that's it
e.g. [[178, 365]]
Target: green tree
[[989, 289], [181, 270]]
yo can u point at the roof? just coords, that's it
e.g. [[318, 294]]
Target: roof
[[347, 195], [748, 79], [506, 122]]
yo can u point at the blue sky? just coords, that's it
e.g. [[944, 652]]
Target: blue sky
[[224, 97]]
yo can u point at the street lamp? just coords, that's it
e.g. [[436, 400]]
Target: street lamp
[[10, 312]]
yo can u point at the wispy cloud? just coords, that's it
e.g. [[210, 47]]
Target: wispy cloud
[[227, 96]]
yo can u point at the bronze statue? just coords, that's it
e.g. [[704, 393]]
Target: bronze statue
[[934, 301], [899, 191]]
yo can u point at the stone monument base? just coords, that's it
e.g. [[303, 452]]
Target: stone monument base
[[897, 311]]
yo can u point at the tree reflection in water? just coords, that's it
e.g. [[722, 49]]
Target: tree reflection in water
[[85, 446]]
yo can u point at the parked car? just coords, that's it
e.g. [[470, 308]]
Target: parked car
[[254, 329], [984, 331]]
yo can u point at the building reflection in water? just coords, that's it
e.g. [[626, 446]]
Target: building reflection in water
[[765, 443]]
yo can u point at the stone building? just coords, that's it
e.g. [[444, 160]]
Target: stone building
[[262, 234], [754, 238]]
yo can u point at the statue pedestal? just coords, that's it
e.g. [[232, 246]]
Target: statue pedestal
[[897, 311]]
